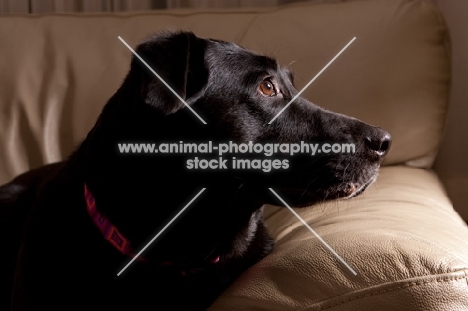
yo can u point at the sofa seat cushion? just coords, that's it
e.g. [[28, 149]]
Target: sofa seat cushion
[[402, 237]]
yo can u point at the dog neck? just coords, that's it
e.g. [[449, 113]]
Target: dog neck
[[108, 230], [111, 233]]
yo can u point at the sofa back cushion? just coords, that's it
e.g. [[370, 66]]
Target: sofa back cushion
[[57, 71]]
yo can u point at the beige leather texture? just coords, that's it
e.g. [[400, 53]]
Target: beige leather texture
[[402, 237], [57, 71]]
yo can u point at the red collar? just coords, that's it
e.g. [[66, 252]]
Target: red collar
[[108, 230], [111, 233]]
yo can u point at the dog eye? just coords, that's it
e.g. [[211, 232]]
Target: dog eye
[[267, 88]]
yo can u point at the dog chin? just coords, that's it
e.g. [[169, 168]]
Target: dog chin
[[353, 189]]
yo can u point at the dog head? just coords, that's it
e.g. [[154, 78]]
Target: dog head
[[237, 93]]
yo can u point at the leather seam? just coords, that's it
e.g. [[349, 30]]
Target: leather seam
[[466, 277], [407, 285]]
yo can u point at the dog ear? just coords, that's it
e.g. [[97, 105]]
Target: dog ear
[[179, 59]]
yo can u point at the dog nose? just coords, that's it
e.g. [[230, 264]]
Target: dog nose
[[379, 142]]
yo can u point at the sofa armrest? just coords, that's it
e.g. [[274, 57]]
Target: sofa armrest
[[402, 237]]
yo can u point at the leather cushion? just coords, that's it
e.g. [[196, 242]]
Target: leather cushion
[[402, 237], [57, 71]]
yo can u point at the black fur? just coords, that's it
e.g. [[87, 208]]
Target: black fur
[[58, 260]]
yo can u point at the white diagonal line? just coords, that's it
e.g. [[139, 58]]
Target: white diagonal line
[[315, 233], [160, 232], [313, 79], [161, 79]]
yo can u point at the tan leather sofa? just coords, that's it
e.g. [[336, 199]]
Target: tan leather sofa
[[402, 236]]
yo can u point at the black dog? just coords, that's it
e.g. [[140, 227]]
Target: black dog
[[59, 254]]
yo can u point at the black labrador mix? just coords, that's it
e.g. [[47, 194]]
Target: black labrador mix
[[70, 227]]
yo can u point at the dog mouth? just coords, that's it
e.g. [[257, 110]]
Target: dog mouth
[[352, 189], [356, 189], [303, 193]]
